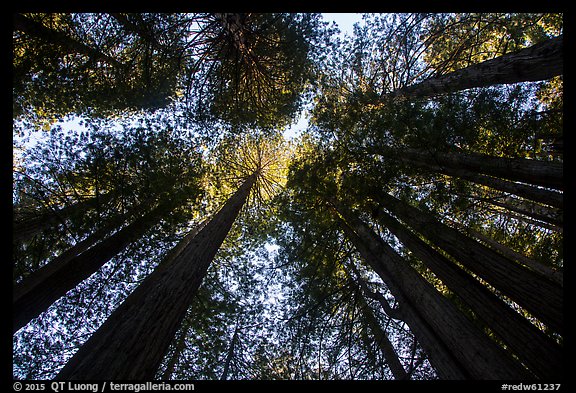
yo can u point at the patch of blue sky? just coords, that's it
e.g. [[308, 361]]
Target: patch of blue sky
[[345, 23]]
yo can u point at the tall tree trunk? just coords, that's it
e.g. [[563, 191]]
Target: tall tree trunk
[[538, 62], [179, 348], [446, 366], [481, 357], [429, 162], [386, 347], [540, 353], [394, 313], [443, 361], [51, 267], [533, 193], [380, 336], [540, 296], [541, 173], [545, 270], [181, 246], [132, 342], [474, 352], [537, 212], [52, 281], [522, 218], [230, 353], [23, 230]]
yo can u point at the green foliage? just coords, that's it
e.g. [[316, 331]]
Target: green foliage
[[252, 68], [458, 40], [95, 64], [185, 107]]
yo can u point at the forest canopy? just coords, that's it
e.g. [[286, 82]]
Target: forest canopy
[[168, 225]]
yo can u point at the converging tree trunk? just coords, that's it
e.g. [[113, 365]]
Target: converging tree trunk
[[230, 352], [537, 172], [394, 313], [546, 270], [132, 342], [444, 362], [181, 246], [179, 348], [540, 296], [537, 212], [540, 353], [538, 62], [49, 283], [37, 276], [25, 229], [533, 193], [436, 163], [381, 338], [481, 357]]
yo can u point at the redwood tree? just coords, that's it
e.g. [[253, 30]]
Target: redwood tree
[[133, 340], [46, 285], [538, 62], [419, 235], [474, 351], [531, 290], [518, 333]]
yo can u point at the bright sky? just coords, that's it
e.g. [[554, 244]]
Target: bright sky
[[345, 22]]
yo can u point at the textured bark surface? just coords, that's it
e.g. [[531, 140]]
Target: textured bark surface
[[429, 162], [547, 271], [181, 246], [540, 353], [542, 173], [443, 361], [23, 230], [383, 342], [52, 281], [132, 342], [540, 296], [481, 357], [541, 61]]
